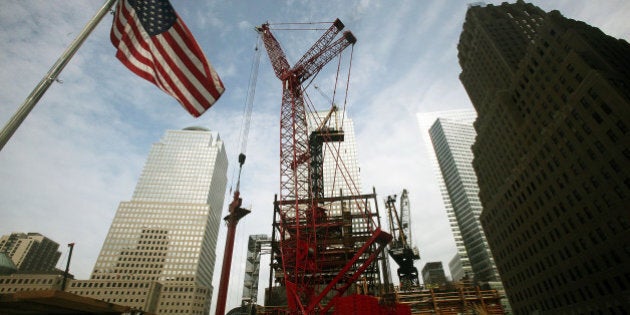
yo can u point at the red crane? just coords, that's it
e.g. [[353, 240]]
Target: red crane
[[309, 287]]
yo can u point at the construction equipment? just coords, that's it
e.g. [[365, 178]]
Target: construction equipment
[[317, 138], [236, 213], [401, 249], [313, 265]]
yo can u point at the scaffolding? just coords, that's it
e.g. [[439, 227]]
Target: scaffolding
[[258, 244], [454, 300], [346, 231]]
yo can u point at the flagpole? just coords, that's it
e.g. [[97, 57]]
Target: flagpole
[[37, 93]]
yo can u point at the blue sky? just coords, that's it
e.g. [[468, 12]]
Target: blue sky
[[81, 150]]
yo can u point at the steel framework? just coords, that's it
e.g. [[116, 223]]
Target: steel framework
[[346, 253], [311, 265]]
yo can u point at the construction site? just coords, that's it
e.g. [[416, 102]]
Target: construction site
[[331, 247]]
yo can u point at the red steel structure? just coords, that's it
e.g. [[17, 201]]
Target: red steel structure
[[302, 221], [235, 214]]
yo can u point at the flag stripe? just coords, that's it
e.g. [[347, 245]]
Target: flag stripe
[[189, 56], [172, 60], [169, 70], [182, 66], [193, 53], [133, 53]]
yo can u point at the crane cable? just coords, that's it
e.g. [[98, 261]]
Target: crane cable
[[340, 164], [247, 112]]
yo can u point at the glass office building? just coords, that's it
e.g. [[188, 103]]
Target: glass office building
[[159, 253], [462, 268], [452, 141]]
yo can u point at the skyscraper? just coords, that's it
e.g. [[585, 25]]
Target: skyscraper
[[30, 252], [452, 135], [159, 253], [452, 140], [550, 156], [426, 121]]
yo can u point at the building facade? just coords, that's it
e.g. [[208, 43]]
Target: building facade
[[553, 101], [30, 252], [452, 140], [257, 245], [30, 282], [425, 121], [450, 134], [159, 253], [433, 274], [456, 268]]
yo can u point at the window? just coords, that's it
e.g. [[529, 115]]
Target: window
[[611, 135], [578, 77], [622, 127]]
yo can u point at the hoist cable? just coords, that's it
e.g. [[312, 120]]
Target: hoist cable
[[247, 111], [249, 101]]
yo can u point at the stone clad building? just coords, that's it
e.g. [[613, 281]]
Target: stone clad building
[[551, 156]]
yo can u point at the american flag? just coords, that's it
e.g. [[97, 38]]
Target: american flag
[[154, 43]]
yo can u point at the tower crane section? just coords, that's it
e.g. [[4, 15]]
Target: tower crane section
[[401, 249], [317, 138], [302, 226], [293, 123]]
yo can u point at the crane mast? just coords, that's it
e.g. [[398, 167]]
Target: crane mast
[[302, 223]]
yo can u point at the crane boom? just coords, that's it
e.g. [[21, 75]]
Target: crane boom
[[405, 218], [313, 60], [277, 57], [317, 61], [321, 44], [401, 249]]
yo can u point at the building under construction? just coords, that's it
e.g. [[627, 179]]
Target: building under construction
[[345, 242], [327, 246], [326, 238], [374, 293]]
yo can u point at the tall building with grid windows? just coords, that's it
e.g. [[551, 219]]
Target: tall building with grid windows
[[452, 136], [452, 140], [30, 252], [461, 267], [551, 156], [159, 253]]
